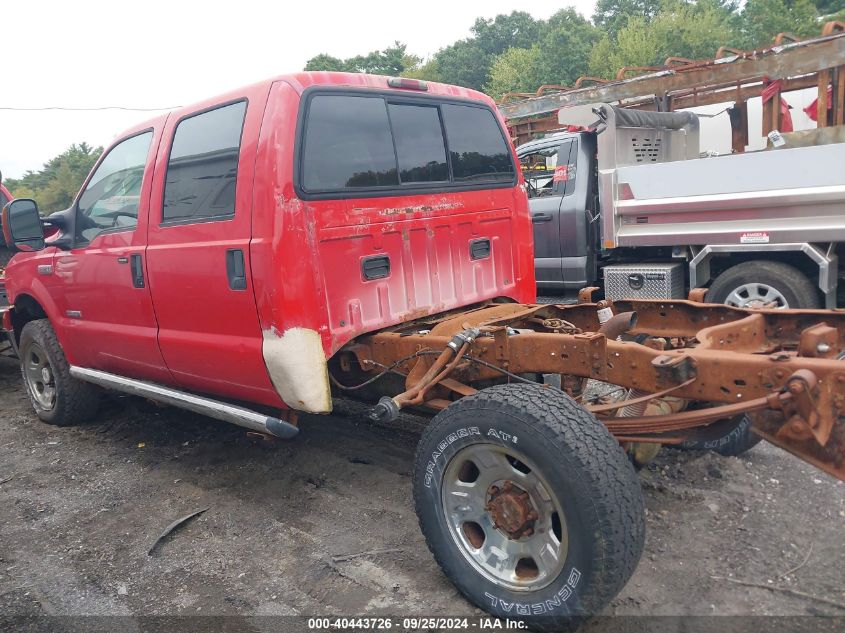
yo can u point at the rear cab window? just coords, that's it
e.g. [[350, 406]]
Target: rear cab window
[[369, 144]]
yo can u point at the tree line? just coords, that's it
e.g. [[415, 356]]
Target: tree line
[[518, 53], [56, 184]]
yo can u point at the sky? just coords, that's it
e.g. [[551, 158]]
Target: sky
[[159, 54]]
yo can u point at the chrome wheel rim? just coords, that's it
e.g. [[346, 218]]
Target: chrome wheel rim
[[40, 380], [757, 295], [504, 517]]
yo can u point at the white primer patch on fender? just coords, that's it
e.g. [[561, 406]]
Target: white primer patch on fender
[[298, 368]]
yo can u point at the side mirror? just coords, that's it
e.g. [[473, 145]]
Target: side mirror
[[22, 228]]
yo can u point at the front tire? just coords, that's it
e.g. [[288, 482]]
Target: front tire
[[57, 398], [528, 504]]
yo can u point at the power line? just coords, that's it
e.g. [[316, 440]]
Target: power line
[[87, 109]]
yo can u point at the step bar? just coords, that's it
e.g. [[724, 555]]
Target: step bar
[[198, 404]]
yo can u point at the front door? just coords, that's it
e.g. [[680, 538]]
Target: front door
[[546, 182], [104, 302], [198, 253]]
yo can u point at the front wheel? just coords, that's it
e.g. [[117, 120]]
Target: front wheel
[[528, 504], [57, 397]]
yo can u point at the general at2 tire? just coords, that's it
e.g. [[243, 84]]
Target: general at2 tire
[[56, 397], [539, 455]]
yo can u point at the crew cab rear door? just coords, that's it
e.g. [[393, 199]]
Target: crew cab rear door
[[198, 250]]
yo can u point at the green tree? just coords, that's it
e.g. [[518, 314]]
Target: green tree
[[515, 70], [327, 62], [829, 7], [463, 63], [393, 60], [612, 16], [55, 186], [761, 20], [679, 29], [566, 44], [516, 30], [560, 56], [467, 62], [424, 70]]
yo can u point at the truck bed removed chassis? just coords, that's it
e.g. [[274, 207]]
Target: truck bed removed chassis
[[712, 362]]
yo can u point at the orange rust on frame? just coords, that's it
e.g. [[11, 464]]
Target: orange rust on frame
[[697, 295], [728, 360]]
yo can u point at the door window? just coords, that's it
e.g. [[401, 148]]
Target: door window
[[112, 196], [548, 171], [203, 166]]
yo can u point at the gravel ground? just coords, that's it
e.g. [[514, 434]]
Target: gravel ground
[[324, 524]]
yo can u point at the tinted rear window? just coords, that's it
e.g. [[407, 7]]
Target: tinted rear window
[[419, 143], [203, 165], [476, 145], [348, 144], [357, 142]]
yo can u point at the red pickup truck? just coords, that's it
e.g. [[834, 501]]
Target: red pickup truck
[[318, 234]]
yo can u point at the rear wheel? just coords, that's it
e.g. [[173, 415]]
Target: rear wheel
[[764, 284], [736, 440], [56, 397], [528, 504]]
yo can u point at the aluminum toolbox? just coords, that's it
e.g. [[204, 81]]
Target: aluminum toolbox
[[644, 281]]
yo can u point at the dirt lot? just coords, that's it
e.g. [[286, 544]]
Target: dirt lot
[[80, 507]]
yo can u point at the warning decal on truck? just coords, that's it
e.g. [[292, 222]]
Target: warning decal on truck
[[561, 173], [754, 237]]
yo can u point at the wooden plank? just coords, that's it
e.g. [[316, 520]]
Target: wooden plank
[[768, 108], [821, 105], [839, 98], [789, 60], [775, 112]]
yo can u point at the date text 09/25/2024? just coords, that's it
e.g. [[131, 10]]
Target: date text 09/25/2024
[[413, 624]]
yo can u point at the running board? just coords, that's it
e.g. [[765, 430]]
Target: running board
[[198, 404]]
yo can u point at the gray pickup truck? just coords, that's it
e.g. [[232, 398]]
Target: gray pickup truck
[[630, 203]]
